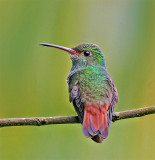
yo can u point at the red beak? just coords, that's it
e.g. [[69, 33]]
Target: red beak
[[71, 51]]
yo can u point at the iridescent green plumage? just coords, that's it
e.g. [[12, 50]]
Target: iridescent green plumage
[[94, 84], [96, 57]]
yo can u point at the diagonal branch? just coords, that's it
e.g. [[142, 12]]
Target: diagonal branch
[[39, 121]]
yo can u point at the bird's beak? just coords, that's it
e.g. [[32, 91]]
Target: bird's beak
[[69, 50]]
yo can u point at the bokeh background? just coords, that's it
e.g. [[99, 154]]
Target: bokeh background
[[32, 77]]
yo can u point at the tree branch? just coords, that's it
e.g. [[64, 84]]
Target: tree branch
[[39, 121]]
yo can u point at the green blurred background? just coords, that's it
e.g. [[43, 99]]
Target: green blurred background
[[32, 77]]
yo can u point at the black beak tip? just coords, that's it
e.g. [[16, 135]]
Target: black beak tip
[[43, 44]]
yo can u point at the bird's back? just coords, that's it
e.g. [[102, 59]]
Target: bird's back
[[93, 92]]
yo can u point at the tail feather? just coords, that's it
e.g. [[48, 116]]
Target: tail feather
[[95, 123]]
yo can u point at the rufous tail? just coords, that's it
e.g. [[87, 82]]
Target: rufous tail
[[95, 123]]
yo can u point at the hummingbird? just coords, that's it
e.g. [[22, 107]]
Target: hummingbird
[[91, 89]]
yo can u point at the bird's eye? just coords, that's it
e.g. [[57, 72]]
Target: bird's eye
[[86, 53]]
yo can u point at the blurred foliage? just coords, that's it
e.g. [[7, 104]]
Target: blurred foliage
[[32, 77]]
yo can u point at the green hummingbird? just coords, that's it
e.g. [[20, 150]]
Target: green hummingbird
[[91, 89]]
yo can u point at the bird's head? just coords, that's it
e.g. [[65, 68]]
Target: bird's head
[[86, 54]]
